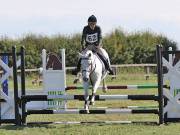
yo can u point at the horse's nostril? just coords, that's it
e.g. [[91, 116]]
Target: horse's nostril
[[85, 79]]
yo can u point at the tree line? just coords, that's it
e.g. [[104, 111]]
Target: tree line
[[123, 47]]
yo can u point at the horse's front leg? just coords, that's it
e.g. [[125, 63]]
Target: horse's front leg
[[94, 89], [86, 97]]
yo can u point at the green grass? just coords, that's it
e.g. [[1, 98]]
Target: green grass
[[93, 129], [98, 129]]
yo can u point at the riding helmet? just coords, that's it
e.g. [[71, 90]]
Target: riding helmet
[[92, 18]]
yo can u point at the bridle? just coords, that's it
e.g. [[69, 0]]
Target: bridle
[[91, 66]]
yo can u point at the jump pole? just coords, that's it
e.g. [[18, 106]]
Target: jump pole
[[29, 98], [99, 111], [129, 87], [160, 82]]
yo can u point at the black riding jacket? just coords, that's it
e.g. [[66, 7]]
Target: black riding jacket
[[91, 37]]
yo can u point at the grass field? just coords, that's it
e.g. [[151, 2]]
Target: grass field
[[99, 129]]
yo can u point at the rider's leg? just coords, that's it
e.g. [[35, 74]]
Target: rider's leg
[[100, 52], [78, 68], [106, 63]]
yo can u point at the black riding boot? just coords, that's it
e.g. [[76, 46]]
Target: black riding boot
[[78, 68], [106, 63]]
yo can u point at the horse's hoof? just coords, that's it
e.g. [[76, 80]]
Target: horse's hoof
[[87, 111], [86, 108], [92, 103]]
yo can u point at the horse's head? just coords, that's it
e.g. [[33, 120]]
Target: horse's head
[[53, 62], [86, 64]]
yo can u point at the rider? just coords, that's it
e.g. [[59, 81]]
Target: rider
[[92, 39]]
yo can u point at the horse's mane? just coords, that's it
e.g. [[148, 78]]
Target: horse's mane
[[87, 52]]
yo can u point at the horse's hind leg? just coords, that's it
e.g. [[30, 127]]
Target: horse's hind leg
[[104, 88]]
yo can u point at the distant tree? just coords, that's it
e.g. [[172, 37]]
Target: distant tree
[[123, 47]]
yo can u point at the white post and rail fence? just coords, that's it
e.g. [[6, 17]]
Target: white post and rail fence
[[117, 68]]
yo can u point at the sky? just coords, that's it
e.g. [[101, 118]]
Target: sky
[[52, 17]]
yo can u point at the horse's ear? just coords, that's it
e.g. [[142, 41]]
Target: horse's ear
[[80, 54]]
